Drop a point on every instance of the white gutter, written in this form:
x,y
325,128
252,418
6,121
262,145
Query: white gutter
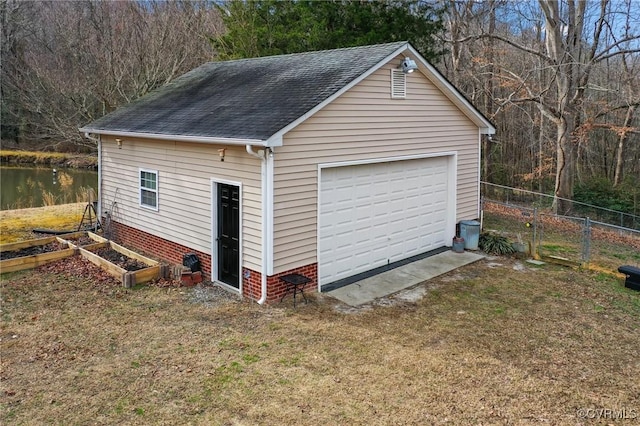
x,y
266,158
251,152
177,138
98,141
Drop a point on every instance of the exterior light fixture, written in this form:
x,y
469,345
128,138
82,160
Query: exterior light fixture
x,y
221,153
408,65
119,143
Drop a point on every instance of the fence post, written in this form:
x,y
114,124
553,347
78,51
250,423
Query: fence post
x,y
534,248
586,241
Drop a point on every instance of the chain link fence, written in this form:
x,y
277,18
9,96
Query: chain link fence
x,y
522,197
589,241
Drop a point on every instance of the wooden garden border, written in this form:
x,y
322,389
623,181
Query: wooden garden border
x,y
35,260
127,278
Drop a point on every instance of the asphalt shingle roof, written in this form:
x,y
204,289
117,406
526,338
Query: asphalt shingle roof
x,y
244,99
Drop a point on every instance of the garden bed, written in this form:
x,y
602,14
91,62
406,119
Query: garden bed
x,y
125,265
32,253
33,250
120,259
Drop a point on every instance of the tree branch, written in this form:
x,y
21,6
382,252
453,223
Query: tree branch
x,y
506,41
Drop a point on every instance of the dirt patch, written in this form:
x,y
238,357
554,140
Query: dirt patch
x,y
412,294
30,251
83,240
211,295
120,259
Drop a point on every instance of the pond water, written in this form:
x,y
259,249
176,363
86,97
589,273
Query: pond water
x,y
23,187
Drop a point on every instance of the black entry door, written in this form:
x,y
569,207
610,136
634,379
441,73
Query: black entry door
x,y
228,234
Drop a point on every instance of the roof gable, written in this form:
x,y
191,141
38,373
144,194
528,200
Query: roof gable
x,y
258,100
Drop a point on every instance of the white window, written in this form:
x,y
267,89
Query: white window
x,y
398,84
149,189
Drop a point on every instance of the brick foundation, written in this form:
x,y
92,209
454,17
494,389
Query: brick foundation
x,y
173,253
275,287
158,247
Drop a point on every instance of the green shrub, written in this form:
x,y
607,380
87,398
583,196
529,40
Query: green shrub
x,y
600,192
493,243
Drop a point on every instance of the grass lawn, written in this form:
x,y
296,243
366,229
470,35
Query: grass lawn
x,y
16,225
485,344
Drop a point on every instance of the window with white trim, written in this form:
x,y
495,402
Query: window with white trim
x,y
398,84
149,189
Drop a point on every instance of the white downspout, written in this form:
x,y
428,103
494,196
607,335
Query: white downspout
x,y
258,154
98,141
262,155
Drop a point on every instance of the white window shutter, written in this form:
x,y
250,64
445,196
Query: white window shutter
x,y
398,84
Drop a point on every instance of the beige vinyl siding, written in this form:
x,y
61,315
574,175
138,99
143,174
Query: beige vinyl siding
x,y
184,190
365,123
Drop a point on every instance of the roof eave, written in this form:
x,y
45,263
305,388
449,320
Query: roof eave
x,y
179,138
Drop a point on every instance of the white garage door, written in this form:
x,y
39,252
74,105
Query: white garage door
x,y
375,214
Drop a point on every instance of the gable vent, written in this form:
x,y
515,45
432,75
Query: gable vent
x,y
398,84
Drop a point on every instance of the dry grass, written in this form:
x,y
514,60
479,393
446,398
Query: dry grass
x,y
36,157
487,344
16,225
48,158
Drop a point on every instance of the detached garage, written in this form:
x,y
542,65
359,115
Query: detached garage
x,y
328,164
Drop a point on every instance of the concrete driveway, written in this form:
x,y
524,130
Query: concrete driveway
x,y
402,277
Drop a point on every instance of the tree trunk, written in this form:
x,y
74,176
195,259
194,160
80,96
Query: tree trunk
x,y
564,46
617,177
565,163
489,90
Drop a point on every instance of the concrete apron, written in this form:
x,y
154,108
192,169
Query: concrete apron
x,y
402,277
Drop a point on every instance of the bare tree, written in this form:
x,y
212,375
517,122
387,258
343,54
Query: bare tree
x,y
554,72
85,58
14,29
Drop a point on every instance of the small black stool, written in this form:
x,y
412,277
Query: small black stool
x,y
295,282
